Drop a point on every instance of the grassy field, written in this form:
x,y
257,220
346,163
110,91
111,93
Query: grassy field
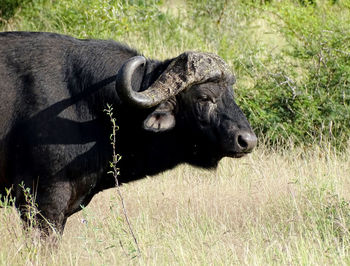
x,y
284,204
286,207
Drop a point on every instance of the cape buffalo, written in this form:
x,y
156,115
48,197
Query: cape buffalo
x,y
55,135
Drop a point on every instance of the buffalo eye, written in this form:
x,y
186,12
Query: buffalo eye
x,y
205,99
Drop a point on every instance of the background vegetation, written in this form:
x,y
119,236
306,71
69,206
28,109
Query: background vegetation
x,y
291,57
288,203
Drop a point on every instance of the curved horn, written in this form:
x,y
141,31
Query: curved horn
x,y
187,69
124,81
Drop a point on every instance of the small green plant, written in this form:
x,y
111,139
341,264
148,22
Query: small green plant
x,y
34,221
6,200
30,210
115,172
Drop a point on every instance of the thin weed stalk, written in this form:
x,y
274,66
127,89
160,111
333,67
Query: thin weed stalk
x,y
115,172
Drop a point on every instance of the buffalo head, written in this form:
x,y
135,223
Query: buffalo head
x,y
193,97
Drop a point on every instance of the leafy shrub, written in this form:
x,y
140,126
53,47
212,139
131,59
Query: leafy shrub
x,y
8,8
305,90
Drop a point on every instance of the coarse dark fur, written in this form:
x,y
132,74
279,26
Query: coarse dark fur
x,y
54,134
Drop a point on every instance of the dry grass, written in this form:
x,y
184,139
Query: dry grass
x,y
268,208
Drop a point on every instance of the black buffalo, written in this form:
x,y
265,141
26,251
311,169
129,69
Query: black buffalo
x,y
55,135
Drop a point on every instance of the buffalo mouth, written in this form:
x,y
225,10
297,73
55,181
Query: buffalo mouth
x,y
204,159
236,154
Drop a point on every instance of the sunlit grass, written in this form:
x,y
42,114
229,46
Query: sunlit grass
x,y
269,207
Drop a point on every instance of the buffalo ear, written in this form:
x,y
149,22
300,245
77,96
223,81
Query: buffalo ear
x,y
161,119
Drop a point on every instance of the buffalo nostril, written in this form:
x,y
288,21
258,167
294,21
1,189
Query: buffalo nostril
x,y
246,141
242,142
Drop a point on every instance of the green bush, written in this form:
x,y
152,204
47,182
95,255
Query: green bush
x,y
303,93
8,8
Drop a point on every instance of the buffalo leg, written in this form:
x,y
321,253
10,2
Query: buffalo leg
x,y
46,210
